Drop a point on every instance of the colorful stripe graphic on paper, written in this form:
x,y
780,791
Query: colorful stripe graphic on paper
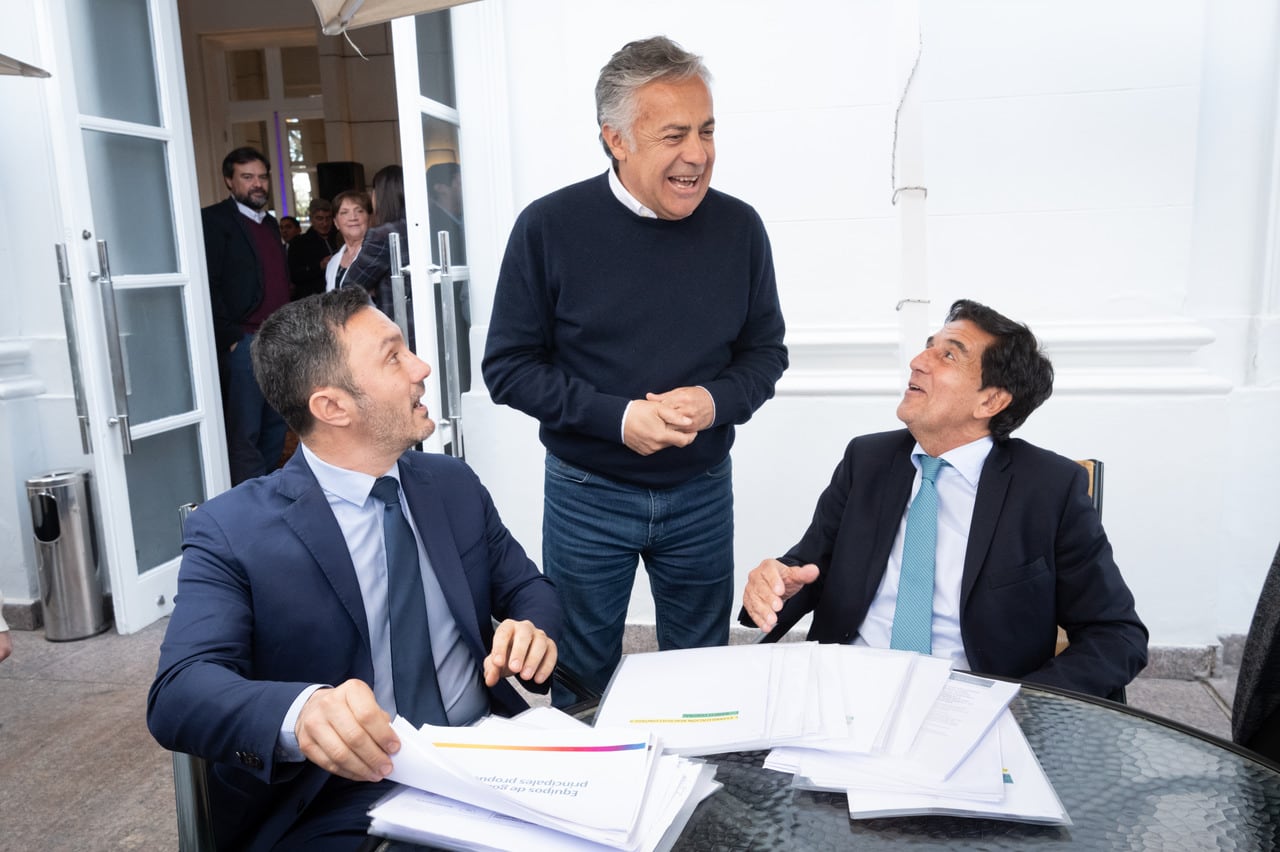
x,y
690,718
497,747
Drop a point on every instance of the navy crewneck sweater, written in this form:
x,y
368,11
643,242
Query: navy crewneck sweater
x,y
597,306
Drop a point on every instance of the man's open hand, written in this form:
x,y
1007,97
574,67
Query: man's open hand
x,y
771,584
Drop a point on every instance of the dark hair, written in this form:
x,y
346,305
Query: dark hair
x,y
298,349
636,65
359,196
388,189
239,157
1014,361
293,219
319,205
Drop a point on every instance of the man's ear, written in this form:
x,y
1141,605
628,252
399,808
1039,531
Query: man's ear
x,y
331,406
992,402
617,144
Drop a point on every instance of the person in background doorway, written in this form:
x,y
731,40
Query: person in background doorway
x,y
248,280
310,252
289,228
352,210
372,268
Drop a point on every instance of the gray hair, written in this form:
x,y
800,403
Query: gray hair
x,y
638,64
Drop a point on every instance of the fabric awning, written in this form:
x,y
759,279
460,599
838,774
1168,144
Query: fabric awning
x,y
11,66
336,16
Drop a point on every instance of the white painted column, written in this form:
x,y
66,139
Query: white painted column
x,y
909,189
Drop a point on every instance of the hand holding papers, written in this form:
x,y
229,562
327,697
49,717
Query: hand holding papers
x,y
564,787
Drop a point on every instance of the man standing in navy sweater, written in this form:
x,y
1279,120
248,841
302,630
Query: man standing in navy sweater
x,y
637,319
248,280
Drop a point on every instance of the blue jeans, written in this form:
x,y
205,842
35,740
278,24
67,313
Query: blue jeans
x,y
255,432
593,530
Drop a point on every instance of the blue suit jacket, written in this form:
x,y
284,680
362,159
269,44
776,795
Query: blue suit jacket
x,y
1037,558
268,603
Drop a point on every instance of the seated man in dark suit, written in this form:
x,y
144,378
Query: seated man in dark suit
x,y
953,539
356,583
1255,713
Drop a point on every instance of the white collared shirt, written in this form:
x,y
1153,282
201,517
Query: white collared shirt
x,y
628,200
957,485
255,215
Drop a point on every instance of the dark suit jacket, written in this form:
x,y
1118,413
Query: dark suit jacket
x,y
307,255
1255,718
268,602
1037,558
235,275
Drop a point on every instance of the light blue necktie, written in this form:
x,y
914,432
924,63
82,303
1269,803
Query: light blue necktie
x,y
413,669
913,615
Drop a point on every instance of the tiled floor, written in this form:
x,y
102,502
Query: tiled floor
x,y
79,771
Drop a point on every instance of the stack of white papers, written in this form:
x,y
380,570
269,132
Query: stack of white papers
x,y
547,782
900,733
713,700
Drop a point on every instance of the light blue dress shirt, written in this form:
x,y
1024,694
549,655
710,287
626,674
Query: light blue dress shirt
x,y
957,484
359,516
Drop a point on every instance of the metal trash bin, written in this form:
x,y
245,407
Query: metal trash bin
x,y
66,555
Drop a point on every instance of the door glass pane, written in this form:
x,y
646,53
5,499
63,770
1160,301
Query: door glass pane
x,y
130,195
163,474
114,67
435,57
306,145
153,341
246,75
301,69
444,188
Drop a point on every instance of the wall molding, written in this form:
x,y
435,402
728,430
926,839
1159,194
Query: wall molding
x,y
16,379
1108,357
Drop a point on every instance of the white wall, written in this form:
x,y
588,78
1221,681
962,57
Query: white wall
x,y
1102,171
1106,172
38,430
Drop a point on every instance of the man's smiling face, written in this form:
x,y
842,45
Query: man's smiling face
x,y
945,405
666,165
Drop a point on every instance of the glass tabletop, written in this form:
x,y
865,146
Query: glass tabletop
x,y
1128,780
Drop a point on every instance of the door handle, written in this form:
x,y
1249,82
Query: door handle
x,y
449,328
73,346
399,303
115,352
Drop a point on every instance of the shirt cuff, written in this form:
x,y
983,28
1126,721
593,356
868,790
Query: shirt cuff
x,y
287,749
713,404
622,432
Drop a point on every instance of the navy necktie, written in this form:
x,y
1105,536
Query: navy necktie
x,y
913,613
413,669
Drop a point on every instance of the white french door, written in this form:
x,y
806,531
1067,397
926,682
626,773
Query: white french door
x,y
429,139
134,287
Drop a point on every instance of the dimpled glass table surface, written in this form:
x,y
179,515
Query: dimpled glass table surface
x,y
1128,780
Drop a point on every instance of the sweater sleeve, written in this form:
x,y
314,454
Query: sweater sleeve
x,y
759,354
518,366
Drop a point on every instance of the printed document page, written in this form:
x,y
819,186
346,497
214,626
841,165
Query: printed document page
x,y
696,701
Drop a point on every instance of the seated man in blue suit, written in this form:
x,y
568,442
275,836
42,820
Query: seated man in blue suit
x,y
293,642
1009,548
